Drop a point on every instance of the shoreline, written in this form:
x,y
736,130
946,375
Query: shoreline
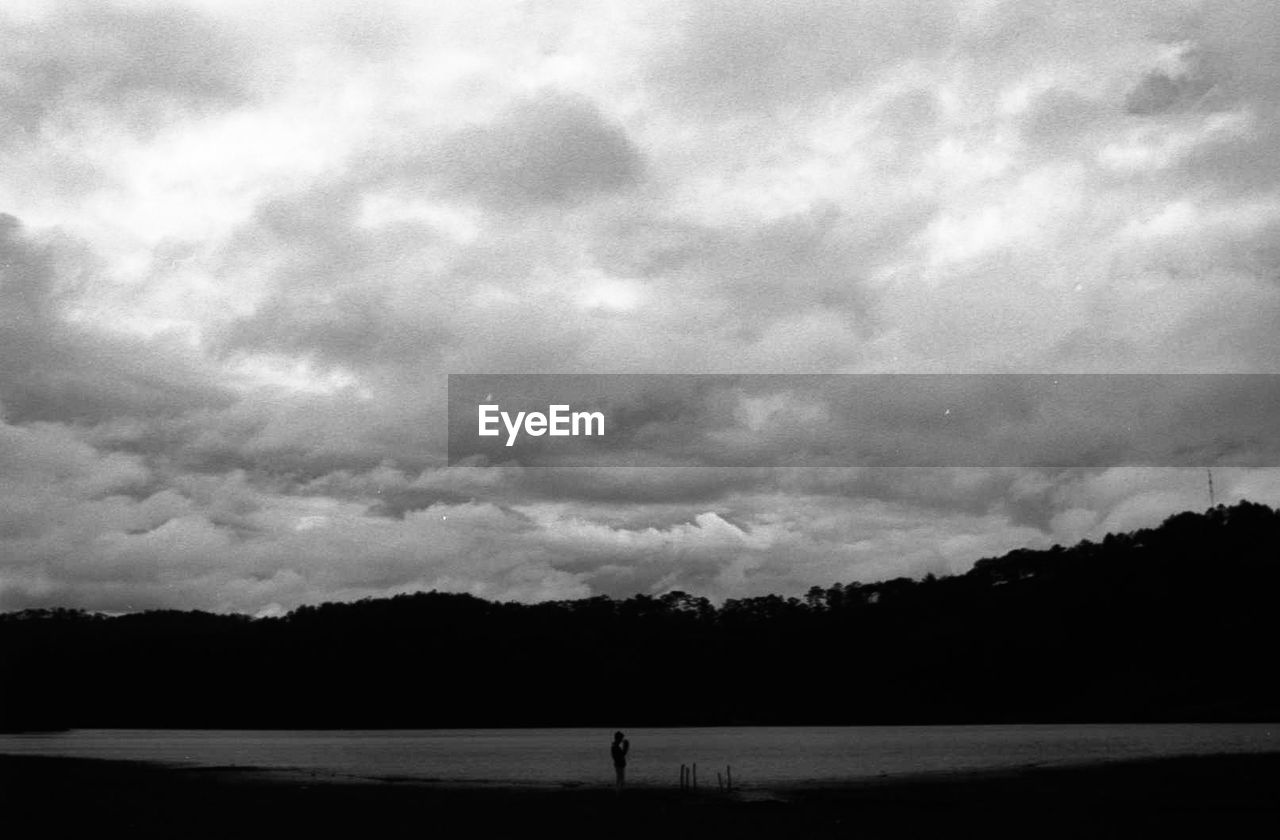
x,y
1224,792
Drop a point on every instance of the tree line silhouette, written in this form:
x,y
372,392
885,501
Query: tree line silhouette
x,y
1170,623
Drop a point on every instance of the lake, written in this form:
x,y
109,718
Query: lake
x,y
760,756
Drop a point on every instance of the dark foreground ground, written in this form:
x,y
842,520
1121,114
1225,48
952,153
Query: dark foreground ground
x,y
1226,796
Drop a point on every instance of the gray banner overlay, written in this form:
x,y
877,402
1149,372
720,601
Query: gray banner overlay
x,y
874,420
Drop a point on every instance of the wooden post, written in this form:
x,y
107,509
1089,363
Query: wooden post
x,y
681,777
695,775
729,771
719,782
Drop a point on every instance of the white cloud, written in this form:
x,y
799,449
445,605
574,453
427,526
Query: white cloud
x,y
247,241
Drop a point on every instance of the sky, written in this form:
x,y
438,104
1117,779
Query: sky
x,y
242,245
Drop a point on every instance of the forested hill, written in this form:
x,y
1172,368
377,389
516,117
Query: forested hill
x,y
1177,622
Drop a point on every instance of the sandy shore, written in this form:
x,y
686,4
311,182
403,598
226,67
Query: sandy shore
x,y
1224,795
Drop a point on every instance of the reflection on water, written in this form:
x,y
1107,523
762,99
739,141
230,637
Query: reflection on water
x,y
759,755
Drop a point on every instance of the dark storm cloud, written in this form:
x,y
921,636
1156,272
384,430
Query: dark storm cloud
x,y
332,283
645,486
397,326
91,57
356,325
750,281
1228,65
396,503
545,150
343,292
1159,92
52,368
1031,35
730,57
283,440
1060,121
1026,497
811,260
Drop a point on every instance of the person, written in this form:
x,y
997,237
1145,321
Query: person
x,y
619,752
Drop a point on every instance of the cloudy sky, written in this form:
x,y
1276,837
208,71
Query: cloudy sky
x,y
244,243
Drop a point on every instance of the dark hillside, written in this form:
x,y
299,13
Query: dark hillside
x,y
1170,623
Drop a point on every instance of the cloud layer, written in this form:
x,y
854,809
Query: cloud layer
x,y
243,244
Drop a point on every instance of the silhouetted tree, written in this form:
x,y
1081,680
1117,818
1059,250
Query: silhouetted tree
x,y
1169,623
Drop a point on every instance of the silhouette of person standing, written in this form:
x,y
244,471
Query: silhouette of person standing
x,y
619,752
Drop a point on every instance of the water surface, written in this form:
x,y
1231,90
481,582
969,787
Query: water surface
x,y
760,756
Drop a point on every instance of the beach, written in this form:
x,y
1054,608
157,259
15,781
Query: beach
x,y
1222,794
